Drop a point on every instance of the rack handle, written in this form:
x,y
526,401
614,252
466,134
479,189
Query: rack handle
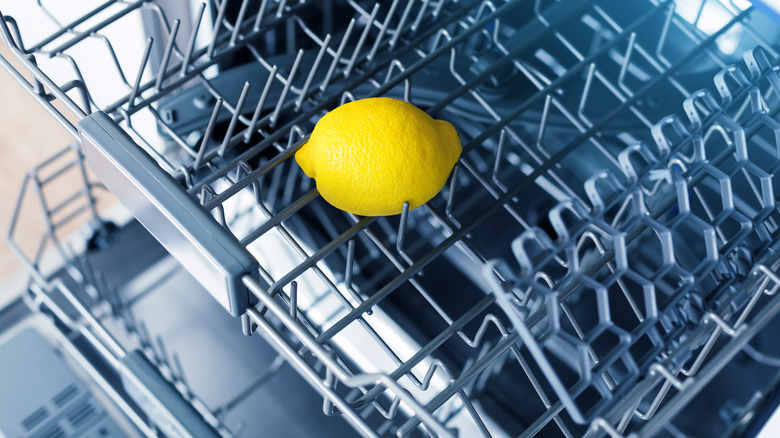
x,y
209,252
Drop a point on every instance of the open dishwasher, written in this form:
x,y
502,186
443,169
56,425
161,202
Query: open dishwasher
x,y
602,262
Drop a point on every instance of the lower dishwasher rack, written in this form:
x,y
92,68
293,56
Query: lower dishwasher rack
x,y
602,261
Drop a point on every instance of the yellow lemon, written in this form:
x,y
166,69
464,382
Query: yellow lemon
x,y
370,156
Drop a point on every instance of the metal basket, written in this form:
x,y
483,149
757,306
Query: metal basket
x,y
700,212
660,237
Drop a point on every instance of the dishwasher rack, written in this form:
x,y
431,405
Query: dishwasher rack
x,y
646,242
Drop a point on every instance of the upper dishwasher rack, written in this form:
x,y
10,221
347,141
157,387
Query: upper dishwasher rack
x,y
545,95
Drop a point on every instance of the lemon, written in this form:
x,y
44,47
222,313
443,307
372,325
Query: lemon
x,y
370,156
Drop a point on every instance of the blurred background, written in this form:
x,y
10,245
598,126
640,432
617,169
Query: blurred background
x,y
27,135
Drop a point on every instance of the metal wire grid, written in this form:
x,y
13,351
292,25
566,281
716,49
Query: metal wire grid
x,y
58,213
389,59
572,297
178,66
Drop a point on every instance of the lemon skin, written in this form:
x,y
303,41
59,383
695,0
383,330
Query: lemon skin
x,y
370,156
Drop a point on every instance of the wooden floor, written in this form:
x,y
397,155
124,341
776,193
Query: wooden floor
x,y
28,135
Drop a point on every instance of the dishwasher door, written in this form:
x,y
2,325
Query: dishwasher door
x,y
602,261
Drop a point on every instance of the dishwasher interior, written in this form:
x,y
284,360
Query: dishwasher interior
x,y
602,261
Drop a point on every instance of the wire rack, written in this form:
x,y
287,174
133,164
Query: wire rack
x,y
653,269
679,290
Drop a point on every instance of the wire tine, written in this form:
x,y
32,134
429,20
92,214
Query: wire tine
x,y
484,7
206,194
187,175
242,170
350,264
362,40
237,25
313,70
259,17
38,84
327,405
625,63
178,371
217,25
339,52
664,33
117,305
295,130
280,9
383,29
193,38
207,134
234,119
163,351
17,36
222,217
276,182
131,323
294,299
395,64
401,236
167,54
451,198
539,15
246,325
442,33
499,156
401,23
543,122
287,86
438,8
259,108
289,185
143,334
144,60
585,93
258,194
346,96
103,287
420,14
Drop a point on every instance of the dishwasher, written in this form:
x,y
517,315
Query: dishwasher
x,y
602,261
